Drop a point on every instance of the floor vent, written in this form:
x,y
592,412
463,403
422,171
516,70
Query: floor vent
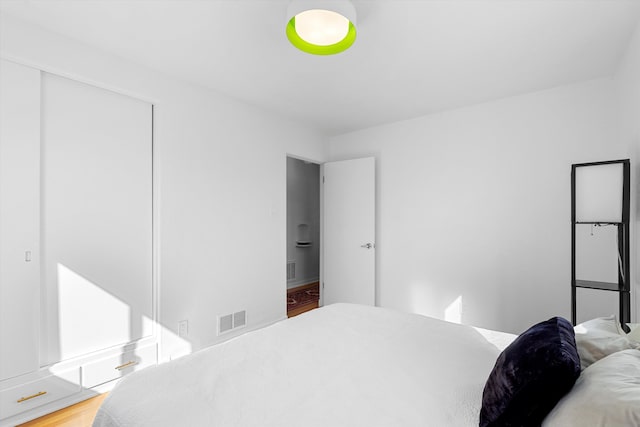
x,y
229,322
291,270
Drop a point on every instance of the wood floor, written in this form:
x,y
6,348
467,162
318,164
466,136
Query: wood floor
x,y
304,308
300,310
78,415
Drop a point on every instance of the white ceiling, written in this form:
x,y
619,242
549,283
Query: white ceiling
x,y
410,58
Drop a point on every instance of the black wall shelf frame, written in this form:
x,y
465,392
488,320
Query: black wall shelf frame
x,y
622,287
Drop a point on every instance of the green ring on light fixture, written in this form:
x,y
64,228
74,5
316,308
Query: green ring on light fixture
x,y
315,49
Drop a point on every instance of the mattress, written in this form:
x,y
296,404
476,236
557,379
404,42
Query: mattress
x,y
340,365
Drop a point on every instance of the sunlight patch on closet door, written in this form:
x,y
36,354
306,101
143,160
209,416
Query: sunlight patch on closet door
x,y
89,317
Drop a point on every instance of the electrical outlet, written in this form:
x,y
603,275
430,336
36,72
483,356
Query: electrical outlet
x,y
183,328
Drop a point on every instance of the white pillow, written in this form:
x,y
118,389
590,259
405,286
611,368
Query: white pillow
x,y
598,338
607,393
634,334
606,324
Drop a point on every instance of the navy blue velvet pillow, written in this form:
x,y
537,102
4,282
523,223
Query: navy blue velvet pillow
x,y
531,376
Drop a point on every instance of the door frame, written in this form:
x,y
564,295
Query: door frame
x,y
320,163
321,266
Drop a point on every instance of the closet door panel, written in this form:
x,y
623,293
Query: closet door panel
x,y
97,218
19,218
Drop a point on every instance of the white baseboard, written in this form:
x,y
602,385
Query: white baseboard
x,y
301,282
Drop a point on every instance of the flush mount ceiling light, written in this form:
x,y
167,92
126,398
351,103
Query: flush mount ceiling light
x,y
321,27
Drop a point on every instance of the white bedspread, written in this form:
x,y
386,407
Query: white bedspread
x,y
341,365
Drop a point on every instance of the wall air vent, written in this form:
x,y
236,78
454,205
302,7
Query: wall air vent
x,y
291,270
229,322
239,319
225,323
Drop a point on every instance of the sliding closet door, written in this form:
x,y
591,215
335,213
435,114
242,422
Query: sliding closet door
x,y
96,218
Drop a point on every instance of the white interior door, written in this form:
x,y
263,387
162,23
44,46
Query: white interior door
x,y
349,231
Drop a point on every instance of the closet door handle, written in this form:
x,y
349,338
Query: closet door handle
x,y
126,365
367,245
33,396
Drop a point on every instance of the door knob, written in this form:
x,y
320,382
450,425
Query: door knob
x,y
367,246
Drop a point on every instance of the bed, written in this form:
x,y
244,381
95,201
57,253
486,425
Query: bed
x,y
341,365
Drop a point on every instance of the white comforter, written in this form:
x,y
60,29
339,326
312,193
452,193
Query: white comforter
x,y
341,365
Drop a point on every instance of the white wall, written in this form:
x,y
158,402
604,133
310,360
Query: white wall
x,y
627,86
221,186
473,205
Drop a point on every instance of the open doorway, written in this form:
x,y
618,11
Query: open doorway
x,y
303,236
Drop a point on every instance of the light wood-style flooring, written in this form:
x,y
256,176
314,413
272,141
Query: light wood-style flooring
x,y
78,415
